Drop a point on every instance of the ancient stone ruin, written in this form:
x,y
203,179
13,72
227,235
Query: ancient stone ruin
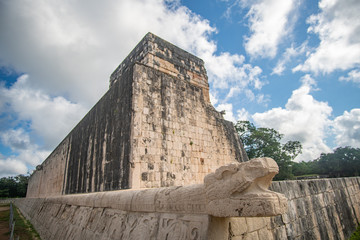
x,y
153,159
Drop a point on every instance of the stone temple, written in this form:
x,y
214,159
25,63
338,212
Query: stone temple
x,y
155,127
153,159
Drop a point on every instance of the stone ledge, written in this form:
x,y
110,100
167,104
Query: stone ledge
x,y
234,190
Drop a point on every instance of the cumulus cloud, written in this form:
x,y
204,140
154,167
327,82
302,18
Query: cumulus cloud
x,y
15,139
347,128
48,118
226,70
228,108
269,23
12,167
287,56
353,76
243,115
304,119
337,26
51,117
28,155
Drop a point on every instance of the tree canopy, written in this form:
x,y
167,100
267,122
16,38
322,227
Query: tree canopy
x,y
266,142
11,187
343,162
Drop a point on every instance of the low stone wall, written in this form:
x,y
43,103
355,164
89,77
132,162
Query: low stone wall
x,y
318,209
62,221
7,200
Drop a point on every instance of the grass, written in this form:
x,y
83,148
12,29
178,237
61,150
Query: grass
x,y
4,222
310,176
356,234
23,228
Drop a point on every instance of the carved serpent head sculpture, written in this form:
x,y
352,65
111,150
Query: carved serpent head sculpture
x,y
241,189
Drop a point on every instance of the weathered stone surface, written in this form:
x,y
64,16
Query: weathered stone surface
x,y
64,221
49,179
166,57
155,127
241,189
318,209
327,213
199,198
177,137
161,213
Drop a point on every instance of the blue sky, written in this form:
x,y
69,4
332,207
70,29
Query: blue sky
x,y
292,65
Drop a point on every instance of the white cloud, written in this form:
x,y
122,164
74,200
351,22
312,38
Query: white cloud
x,y
213,98
232,92
51,118
347,128
263,99
28,154
337,26
304,119
249,95
288,55
307,80
227,70
353,76
16,139
12,167
228,108
269,22
243,115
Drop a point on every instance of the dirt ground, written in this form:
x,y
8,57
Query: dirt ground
x,y
4,225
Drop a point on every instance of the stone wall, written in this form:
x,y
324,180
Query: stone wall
x,y
154,127
177,136
318,209
166,57
48,180
95,154
54,220
100,147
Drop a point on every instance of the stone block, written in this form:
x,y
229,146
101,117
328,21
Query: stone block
x,y
238,226
251,236
280,233
265,234
254,223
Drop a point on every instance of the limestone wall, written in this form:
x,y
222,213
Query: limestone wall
x,y
166,57
318,209
48,180
154,127
62,221
95,154
177,136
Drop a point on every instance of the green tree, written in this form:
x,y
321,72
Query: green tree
x,y
305,168
14,186
266,142
343,162
22,184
